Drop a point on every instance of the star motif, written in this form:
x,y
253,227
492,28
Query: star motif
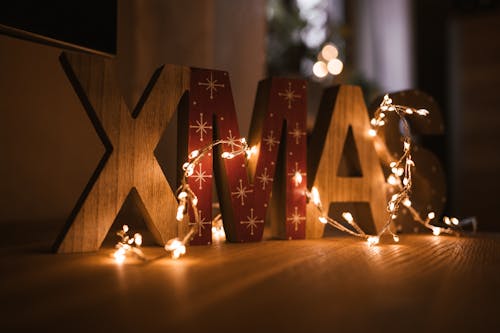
x,y
201,223
264,179
271,141
241,192
201,126
211,85
200,175
297,133
289,95
296,218
252,221
231,141
296,171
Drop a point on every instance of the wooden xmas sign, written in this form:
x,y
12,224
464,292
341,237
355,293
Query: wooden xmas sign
x,y
244,187
129,163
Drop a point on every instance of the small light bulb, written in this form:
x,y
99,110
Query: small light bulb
x,y
372,240
396,238
297,178
407,202
315,196
323,219
138,239
392,180
372,132
447,220
436,231
194,154
409,111
431,215
125,228
348,217
455,221
227,155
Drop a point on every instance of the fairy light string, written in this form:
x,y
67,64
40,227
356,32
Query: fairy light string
x,y
128,246
187,199
400,178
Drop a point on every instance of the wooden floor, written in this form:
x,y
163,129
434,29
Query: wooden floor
x,y
423,284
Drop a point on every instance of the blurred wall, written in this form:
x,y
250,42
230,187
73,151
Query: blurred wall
x,y
48,146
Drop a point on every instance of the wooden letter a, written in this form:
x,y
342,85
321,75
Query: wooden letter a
x,y
343,108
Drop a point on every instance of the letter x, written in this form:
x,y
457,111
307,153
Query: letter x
x,y
129,163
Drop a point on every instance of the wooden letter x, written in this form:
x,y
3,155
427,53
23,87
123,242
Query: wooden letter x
x,y
129,163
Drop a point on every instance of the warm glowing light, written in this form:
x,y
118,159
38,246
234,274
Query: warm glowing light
x,y
392,180
315,196
335,66
373,240
348,217
455,221
320,69
329,52
323,219
372,132
447,220
297,178
431,215
128,245
407,202
227,155
250,152
436,231
194,154
395,238
176,247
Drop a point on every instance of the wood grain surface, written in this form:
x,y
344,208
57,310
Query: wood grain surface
x,y
423,284
129,164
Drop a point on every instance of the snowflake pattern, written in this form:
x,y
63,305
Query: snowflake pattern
x,y
211,85
252,222
289,95
201,223
200,175
270,141
297,133
296,218
201,126
264,179
241,192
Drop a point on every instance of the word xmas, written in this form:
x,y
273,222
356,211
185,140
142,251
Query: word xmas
x,y
269,186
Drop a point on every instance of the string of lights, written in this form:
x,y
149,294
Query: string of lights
x,y
400,178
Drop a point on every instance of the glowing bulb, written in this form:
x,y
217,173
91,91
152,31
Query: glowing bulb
x,y
373,122
381,123
407,202
180,213
447,220
182,195
125,228
391,206
392,165
194,201
297,178
323,219
436,231
348,217
392,180
335,66
372,132
329,52
176,247
396,238
422,112
409,111
251,152
405,181
400,171
406,145
138,239
119,256
431,215
315,196
194,154
454,220
227,155
372,240
320,69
